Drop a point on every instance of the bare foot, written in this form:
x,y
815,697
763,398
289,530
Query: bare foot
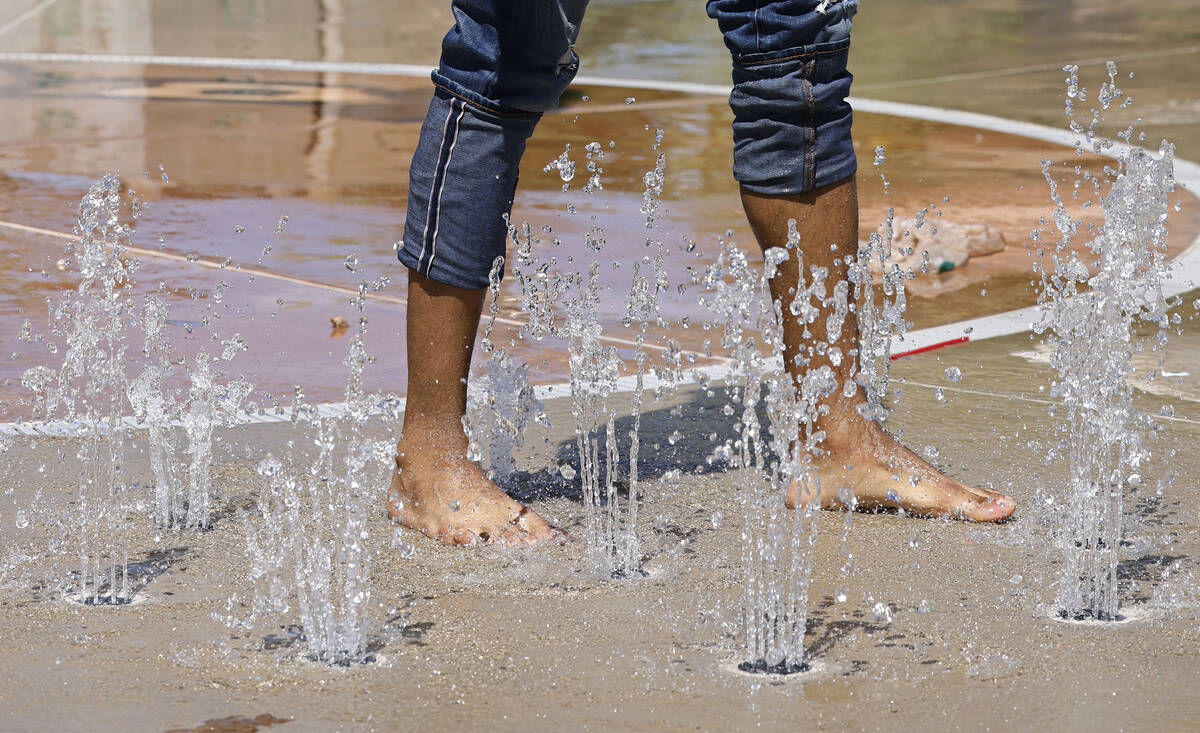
x,y
882,473
440,493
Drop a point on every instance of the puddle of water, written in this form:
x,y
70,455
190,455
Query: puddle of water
x,y
349,202
234,724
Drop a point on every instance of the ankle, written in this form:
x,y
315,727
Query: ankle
x,y
429,430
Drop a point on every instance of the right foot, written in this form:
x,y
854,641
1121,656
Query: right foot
x,y
438,492
882,473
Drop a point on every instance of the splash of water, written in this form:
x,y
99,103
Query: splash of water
x,y
778,458
310,539
595,368
500,402
879,322
155,406
1093,301
777,541
209,404
500,407
90,389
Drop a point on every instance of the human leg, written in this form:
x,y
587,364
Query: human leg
x,y
794,161
857,453
502,65
435,489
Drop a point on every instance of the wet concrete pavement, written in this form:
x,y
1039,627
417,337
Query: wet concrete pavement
x,y
531,639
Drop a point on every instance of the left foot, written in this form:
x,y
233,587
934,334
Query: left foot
x,y
437,491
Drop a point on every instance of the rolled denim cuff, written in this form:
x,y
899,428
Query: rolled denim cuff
x,y
791,127
461,186
488,106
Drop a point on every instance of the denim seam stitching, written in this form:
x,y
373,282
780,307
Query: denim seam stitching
x,y
486,108
757,34
807,54
812,137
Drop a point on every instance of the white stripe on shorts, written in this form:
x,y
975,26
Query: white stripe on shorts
x,y
445,173
432,181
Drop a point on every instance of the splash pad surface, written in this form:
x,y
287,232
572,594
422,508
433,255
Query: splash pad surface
x,y
516,637
938,616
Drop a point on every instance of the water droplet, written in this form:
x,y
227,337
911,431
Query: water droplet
x,y
953,374
840,595
564,165
846,497
404,549
352,263
882,613
566,471
1016,579
22,520
269,467
233,346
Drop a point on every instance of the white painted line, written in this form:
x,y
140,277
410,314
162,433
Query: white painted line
x,y
391,404
70,429
27,15
210,62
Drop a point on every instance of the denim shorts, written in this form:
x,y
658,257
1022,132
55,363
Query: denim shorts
x,y
505,63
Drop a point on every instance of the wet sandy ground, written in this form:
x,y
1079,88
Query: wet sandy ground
x,y
531,639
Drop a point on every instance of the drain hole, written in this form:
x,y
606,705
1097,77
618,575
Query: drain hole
x,y
1084,616
761,667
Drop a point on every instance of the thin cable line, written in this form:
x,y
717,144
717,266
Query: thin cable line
x,y
214,264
